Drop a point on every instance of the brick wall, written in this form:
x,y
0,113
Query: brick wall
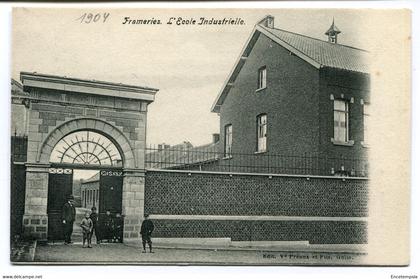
x,y
315,232
179,193
289,100
354,88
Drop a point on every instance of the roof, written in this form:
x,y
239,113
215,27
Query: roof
x,y
324,53
93,178
182,155
318,53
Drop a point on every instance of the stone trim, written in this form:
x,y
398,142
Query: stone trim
x,y
258,218
134,172
79,105
31,167
269,175
348,143
88,86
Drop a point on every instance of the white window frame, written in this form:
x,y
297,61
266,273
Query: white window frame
x,y
340,115
262,78
366,117
227,152
262,132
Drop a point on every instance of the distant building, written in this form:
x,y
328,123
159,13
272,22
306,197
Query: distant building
x,y
183,156
293,95
89,190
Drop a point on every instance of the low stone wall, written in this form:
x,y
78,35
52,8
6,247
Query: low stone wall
x,y
35,226
316,209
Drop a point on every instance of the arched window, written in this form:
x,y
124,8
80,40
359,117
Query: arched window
x,y
86,148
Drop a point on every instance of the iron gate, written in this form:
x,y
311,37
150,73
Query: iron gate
x,y
60,184
110,191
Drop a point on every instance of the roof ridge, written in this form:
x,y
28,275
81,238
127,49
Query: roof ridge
x,y
268,29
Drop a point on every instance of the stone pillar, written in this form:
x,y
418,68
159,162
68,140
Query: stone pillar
x,y
133,202
35,218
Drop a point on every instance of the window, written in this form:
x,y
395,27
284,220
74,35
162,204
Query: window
x,y
228,141
341,121
262,77
262,133
366,115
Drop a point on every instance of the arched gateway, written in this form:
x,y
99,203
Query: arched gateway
x,y
74,123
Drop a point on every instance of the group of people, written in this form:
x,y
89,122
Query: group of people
x,y
108,227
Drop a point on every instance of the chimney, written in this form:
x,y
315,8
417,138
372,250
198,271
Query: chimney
x,y
216,138
267,21
163,146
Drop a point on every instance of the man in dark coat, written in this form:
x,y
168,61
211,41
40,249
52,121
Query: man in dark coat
x,y
146,230
68,215
108,226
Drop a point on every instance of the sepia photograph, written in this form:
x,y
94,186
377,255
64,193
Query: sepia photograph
x,y
208,136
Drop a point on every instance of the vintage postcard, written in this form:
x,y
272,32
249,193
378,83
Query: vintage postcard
x,y
210,136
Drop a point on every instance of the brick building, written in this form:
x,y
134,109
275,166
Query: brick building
x,y
293,95
89,190
292,123
290,107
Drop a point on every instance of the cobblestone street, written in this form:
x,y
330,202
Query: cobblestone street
x,y
121,253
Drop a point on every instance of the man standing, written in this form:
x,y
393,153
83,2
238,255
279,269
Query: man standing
x,y
68,216
146,230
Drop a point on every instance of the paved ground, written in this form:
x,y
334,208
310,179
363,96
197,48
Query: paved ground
x,y
124,254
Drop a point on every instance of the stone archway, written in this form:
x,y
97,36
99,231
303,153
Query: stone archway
x,y
89,124
59,106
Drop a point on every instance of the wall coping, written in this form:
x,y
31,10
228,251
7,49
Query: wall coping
x,y
269,175
259,218
84,86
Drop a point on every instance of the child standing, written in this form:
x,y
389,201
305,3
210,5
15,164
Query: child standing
x,y
146,230
94,218
108,226
87,226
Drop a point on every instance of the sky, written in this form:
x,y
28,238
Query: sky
x,y
187,63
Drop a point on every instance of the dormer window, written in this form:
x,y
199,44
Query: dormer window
x,y
262,78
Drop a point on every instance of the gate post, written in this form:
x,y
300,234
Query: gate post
x,y
133,201
35,218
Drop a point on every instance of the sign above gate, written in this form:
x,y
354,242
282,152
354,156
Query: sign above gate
x,y
60,171
111,173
